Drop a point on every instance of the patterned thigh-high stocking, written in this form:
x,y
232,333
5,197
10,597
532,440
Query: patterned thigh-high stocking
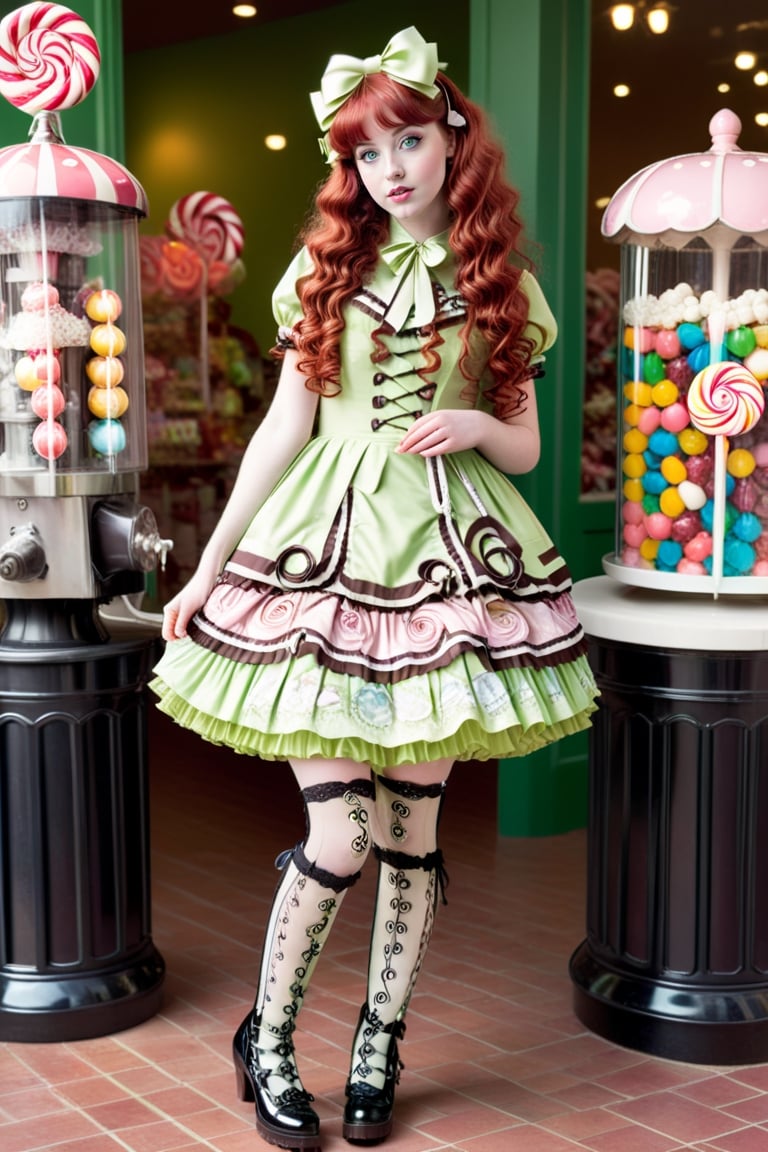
x,y
411,878
314,881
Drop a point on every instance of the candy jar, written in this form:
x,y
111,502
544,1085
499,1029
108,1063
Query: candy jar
x,y
76,955
692,477
72,405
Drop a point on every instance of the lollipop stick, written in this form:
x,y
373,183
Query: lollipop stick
x,y
718,515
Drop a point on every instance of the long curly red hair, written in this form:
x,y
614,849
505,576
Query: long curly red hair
x,y
347,228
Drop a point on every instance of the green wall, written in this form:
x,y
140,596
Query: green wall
x,y
197,114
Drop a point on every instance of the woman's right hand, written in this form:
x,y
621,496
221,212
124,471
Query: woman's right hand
x,y
179,611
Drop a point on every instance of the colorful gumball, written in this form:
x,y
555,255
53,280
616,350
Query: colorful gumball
x,y
47,367
108,340
649,420
668,344
103,306
47,401
675,417
107,437
658,526
105,371
653,368
25,375
107,402
49,439
740,341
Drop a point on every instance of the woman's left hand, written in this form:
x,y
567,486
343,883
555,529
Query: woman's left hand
x,y
445,430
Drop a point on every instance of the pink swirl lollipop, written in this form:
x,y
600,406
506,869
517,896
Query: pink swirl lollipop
x,y
49,58
725,399
209,224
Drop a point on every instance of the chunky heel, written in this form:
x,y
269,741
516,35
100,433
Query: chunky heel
x,y
285,1119
368,1110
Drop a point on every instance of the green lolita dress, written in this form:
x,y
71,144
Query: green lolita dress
x,y
381,606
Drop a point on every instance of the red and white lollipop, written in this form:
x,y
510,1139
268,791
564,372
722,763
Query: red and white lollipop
x,y
209,224
724,400
49,58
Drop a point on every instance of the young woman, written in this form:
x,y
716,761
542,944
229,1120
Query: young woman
x,y
377,601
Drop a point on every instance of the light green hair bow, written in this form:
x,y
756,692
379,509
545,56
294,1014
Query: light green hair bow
x,y
408,59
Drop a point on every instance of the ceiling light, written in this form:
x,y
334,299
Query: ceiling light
x,y
760,78
762,119
724,87
745,61
275,142
621,90
658,19
622,16
244,10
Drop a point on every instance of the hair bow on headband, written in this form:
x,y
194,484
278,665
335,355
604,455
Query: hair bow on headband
x,y
407,58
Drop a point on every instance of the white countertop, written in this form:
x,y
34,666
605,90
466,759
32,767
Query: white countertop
x,y
654,618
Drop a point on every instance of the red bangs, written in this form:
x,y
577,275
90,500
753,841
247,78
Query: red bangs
x,y
390,104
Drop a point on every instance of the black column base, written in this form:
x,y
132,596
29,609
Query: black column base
x,y
705,1025
79,1006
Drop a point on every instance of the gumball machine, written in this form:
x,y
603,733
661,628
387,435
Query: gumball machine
x,y
692,514
676,954
76,955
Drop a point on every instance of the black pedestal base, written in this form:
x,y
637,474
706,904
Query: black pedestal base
x,y
79,1006
76,953
702,1026
675,961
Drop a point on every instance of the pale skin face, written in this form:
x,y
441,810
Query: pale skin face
x,y
403,171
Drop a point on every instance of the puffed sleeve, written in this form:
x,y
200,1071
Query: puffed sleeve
x,y
285,300
542,326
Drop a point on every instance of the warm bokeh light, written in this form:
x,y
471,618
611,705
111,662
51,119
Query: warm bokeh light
x,y
602,202
621,90
745,61
762,119
244,10
275,142
760,78
622,16
658,19
724,87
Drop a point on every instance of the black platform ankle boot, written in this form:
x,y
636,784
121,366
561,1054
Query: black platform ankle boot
x,y
368,1110
286,1118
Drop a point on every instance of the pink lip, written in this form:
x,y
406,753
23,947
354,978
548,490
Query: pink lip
x,y
398,193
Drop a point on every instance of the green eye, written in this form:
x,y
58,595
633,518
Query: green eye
x,y
367,156
410,141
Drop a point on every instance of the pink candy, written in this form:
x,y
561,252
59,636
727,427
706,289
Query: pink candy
x,y
632,512
634,534
699,547
38,296
658,526
675,417
49,58
650,418
668,344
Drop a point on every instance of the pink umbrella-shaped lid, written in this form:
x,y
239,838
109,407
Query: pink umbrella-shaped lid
x,y
672,200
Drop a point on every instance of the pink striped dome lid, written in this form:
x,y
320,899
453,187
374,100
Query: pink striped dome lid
x,y
47,167
676,198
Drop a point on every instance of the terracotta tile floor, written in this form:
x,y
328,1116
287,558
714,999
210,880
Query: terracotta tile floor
x,y
495,1059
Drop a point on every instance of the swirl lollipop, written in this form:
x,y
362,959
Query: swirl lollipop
x,y
209,224
49,58
724,399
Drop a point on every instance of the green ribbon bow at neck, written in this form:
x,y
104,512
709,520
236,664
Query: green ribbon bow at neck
x,y
408,59
410,262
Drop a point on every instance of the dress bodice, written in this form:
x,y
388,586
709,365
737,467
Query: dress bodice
x,y
381,399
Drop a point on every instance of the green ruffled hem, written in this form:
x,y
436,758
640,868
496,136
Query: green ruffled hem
x,y
470,741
